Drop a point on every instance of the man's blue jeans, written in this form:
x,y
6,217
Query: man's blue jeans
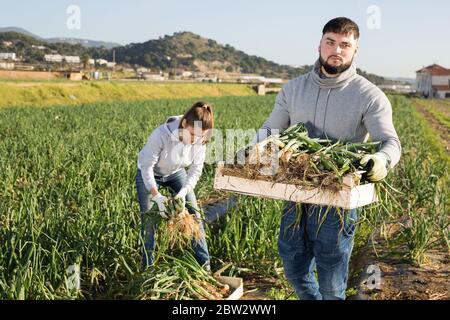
x,y
317,241
174,183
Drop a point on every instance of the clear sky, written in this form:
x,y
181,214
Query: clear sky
x,y
397,37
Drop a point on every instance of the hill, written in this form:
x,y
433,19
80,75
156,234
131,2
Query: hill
x,y
191,51
84,42
20,30
180,51
26,46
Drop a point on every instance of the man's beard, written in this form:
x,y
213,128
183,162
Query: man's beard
x,y
334,69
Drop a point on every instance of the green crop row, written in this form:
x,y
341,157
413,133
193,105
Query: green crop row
x,y
67,195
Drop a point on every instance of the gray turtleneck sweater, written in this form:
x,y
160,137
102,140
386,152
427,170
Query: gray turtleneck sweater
x,y
347,108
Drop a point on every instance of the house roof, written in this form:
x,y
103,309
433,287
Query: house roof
x,y
442,88
435,70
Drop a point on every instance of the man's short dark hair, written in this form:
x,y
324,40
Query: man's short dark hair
x,y
343,26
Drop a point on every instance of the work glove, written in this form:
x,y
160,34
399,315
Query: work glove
x,y
160,200
376,166
182,194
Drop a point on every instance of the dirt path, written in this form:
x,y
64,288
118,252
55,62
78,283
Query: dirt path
x,y
399,280
384,273
258,287
441,130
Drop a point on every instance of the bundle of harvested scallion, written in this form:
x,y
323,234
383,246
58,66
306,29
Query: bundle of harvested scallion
x,y
175,278
182,226
302,160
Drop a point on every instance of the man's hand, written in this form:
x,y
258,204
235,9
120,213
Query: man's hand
x,y
182,195
160,200
376,165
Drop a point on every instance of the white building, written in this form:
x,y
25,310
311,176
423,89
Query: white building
x,y
433,81
7,56
72,59
59,58
7,65
101,62
53,58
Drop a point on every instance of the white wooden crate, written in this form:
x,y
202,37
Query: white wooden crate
x,y
351,196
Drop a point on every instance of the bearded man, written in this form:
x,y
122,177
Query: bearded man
x,y
336,103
